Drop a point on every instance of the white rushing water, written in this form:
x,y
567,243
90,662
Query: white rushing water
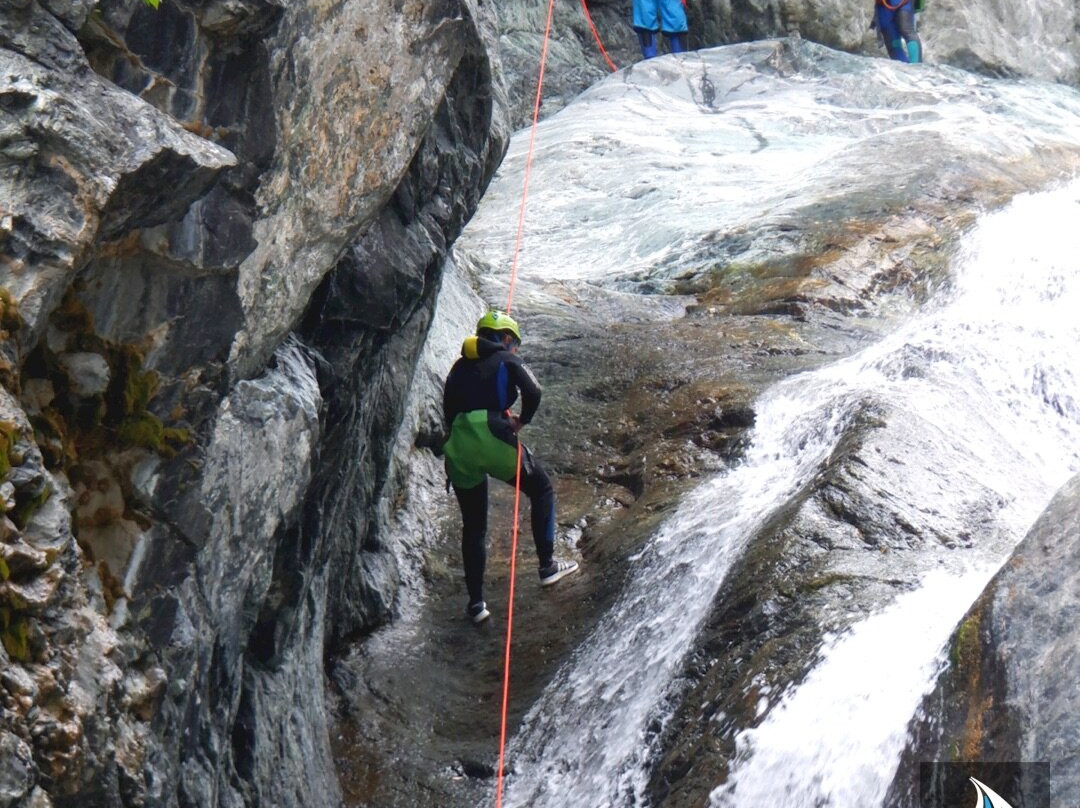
x,y
831,742
991,377
1009,342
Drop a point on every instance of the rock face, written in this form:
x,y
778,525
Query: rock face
x,y
82,161
997,39
1009,691
222,230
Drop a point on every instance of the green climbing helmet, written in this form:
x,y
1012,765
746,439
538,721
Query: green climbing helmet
x,y
495,320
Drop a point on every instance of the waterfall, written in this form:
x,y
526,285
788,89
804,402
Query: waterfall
x,y
989,372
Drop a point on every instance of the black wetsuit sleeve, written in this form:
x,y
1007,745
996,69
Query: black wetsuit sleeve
x,y
527,385
451,397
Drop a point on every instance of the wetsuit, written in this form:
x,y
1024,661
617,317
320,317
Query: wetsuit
x,y
653,16
896,21
481,387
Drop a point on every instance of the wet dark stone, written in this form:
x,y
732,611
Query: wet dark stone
x,y
164,39
477,770
133,298
733,417
366,274
16,100
153,194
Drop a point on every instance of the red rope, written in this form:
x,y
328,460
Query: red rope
x,y
596,36
517,476
509,630
528,159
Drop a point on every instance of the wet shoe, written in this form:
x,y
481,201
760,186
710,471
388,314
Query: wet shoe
x,y
477,612
556,571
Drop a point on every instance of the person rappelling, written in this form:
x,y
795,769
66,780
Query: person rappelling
x,y
480,389
895,22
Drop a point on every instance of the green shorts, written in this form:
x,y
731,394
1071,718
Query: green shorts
x,y
481,443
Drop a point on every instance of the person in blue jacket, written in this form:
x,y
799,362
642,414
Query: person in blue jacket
x,y
479,391
654,16
895,19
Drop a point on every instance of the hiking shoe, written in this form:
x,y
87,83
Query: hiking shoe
x,y
477,612
555,571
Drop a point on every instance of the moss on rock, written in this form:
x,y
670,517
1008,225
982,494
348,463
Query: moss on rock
x,y
8,435
965,651
10,319
15,634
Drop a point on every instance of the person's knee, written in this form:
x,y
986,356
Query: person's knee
x,y
539,481
473,504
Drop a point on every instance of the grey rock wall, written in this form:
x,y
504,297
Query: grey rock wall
x,y
205,371
222,227
80,160
1009,693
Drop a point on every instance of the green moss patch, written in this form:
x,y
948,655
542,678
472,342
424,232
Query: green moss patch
x,y
15,634
73,427
966,649
8,434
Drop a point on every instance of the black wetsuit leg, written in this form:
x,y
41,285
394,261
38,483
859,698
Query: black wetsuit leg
x,y
536,485
474,507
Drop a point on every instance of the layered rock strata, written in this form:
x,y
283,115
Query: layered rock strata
x,y
223,226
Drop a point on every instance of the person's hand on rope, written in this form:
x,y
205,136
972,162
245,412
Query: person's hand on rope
x,y
515,423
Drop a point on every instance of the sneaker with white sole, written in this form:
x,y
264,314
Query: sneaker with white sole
x,y
556,571
477,612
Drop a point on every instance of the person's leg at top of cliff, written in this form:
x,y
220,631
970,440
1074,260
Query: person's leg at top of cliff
x,y
652,17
